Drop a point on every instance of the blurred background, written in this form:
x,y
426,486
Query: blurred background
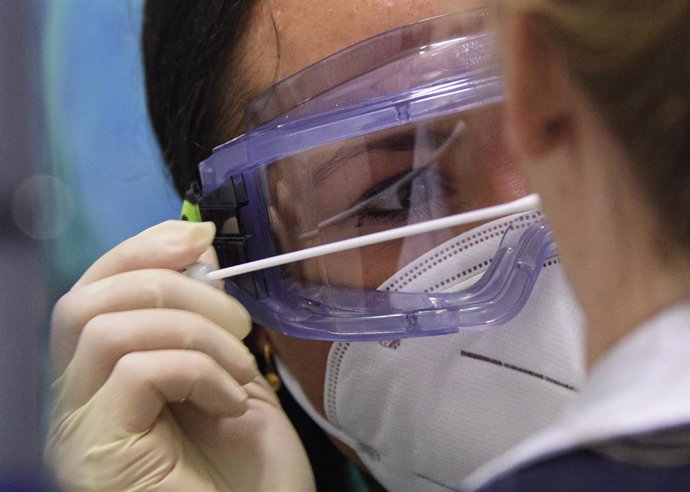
x,y
79,172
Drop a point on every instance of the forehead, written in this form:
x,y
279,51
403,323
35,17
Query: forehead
x,y
289,35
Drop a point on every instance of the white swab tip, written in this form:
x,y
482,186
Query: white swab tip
x,y
199,271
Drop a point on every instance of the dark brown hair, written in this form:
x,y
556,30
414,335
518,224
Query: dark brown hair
x,y
194,91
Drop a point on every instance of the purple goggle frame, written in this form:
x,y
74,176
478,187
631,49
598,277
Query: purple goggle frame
x,y
429,69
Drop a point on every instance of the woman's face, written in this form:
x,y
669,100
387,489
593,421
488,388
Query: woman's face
x,y
286,36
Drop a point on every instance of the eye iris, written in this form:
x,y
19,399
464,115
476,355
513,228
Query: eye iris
x,y
401,197
404,194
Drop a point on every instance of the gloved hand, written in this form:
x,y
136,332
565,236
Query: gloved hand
x,y
153,388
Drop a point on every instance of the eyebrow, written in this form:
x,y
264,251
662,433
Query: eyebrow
x,y
393,143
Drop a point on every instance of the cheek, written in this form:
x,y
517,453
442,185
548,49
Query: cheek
x,y
306,360
371,266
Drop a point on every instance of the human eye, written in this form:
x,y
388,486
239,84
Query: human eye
x,y
402,199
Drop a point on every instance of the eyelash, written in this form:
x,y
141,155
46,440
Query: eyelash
x,y
390,190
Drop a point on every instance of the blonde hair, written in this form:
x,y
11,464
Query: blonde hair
x,y
632,57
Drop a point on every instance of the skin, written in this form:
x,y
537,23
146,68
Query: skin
x,y
607,230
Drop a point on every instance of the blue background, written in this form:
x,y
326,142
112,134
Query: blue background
x,y
98,135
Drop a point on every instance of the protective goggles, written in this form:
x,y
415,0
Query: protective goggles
x,y
377,141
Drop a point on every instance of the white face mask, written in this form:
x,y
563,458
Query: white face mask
x,y
422,414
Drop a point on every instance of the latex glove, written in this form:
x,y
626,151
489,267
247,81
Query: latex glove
x,y
153,388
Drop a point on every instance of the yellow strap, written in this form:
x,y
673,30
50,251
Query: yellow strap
x,y
190,211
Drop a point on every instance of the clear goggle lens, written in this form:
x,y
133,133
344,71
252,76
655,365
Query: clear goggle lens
x,y
401,130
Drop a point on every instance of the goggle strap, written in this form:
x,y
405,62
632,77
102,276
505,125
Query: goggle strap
x,y
190,205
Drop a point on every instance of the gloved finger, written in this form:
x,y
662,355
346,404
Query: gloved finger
x,y
210,258
142,383
174,244
108,337
139,289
